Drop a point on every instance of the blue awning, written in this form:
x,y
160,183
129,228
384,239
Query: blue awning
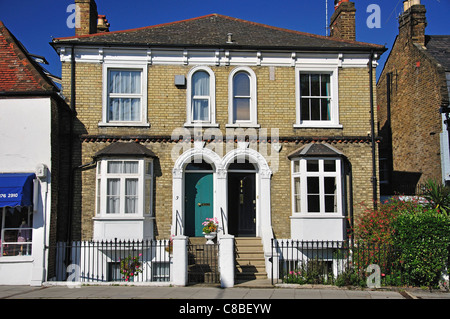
x,y
16,189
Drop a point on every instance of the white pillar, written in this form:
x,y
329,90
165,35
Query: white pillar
x,y
180,261
226,261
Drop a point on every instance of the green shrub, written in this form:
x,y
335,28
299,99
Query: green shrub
x,y
437,196
423,238
375,225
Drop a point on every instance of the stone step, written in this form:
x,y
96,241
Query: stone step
x,y
250,262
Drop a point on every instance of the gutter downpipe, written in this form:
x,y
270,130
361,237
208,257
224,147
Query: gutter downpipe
x,y
372,124
71,145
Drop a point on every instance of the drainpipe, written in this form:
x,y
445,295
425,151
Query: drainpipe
x,y
372,133
71,144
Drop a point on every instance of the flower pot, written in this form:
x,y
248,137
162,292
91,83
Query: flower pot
x,y
209,237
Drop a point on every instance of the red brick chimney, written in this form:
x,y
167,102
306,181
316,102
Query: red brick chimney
x,y
86,17
413,21
342,24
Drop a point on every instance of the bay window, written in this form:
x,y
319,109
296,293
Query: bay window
x,y
317,186
124,187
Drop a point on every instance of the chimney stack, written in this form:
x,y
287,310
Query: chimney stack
x,y
412,22
342,25
86,17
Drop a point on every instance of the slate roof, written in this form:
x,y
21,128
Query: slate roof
x,y
316,150
211,31
19,73
124,149
438,46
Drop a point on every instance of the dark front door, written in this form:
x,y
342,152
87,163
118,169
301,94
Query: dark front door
x,y
242,204
198,202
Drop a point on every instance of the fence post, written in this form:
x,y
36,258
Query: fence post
x,y
180,261
226,261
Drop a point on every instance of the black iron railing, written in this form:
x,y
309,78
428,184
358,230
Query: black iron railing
x,y
336,262
116,260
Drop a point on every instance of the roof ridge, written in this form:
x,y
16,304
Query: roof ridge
x,y
298,32
224,17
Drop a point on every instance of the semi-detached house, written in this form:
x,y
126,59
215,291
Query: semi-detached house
x,y
266,129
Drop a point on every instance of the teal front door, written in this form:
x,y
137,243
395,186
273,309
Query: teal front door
x,y
198,202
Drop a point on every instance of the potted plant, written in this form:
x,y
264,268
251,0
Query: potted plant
x,y
210,226
130,267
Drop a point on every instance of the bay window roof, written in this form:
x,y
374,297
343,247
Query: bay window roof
x,y
125,149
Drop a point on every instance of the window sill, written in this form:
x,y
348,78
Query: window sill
x,y
243,125
316,216
200,125
16,259
119,218
318,125
123,124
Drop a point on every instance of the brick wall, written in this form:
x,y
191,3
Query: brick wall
x,y
416,95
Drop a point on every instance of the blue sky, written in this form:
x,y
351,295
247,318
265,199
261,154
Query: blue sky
x,y
35,22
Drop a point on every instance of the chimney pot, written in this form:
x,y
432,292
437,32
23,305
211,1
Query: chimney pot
x,y
342,24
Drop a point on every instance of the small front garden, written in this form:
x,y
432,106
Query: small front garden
x,y
404,242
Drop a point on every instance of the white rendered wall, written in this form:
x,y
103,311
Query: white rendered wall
x,y
25,127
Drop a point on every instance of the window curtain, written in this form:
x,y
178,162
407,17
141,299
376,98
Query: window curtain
x,y
113,196
125,82
124,108
131,196
200,96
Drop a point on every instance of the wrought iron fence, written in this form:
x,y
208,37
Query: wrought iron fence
x,y
116,260
335,262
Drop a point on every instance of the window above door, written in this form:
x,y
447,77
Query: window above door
x,y
201,97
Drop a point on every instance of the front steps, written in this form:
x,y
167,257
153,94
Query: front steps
x,y
250,262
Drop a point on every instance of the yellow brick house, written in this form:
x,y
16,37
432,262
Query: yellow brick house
x,y
267,130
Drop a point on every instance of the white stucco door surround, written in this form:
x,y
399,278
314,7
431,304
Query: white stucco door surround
x,y
220,171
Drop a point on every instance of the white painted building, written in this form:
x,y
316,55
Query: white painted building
x,y
29,110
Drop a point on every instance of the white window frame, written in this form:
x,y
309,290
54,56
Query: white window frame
x,y
303,174
145,204
253,122
212,99
334,97
107,67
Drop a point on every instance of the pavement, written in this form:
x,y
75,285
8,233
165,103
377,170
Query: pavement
x,y
249,290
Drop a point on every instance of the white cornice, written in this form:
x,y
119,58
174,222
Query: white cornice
x,y
217,57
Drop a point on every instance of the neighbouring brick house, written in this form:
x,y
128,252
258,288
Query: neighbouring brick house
x,y
412,88
34,130
266,129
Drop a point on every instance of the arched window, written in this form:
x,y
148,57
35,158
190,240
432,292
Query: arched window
x,y
242,97
201,96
